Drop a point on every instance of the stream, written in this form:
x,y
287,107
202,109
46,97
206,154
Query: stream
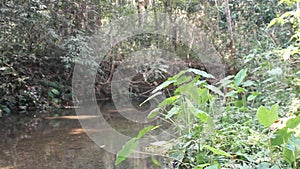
x,y
57,141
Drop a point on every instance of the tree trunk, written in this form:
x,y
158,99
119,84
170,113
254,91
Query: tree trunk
x,y
230,31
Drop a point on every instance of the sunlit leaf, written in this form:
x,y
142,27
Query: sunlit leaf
x,y
217,151
201,73
273,22
164,85
267,117
127,150
144,131
293,123
203,116
182,79
240,76
55,91
168,101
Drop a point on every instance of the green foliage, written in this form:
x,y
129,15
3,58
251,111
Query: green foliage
x,y
131,145
267,117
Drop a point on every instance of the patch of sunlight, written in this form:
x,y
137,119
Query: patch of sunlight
x,y
71,117
77,131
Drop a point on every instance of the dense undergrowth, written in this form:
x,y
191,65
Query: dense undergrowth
x,y
250,119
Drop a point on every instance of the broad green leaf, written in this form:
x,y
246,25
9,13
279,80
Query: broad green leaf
x,y
127,150
240,76
215,90
281,136
204,95
144,131
182,79
288,155
163,85
168,101
175,77
201,73
267,117
274,109
201,115
172,112
193,92
217,151
293,123
55,91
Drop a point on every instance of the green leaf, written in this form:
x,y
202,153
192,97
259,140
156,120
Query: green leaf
x,y
144,131
168,101
293,123
217,151
201,115
182,79
281,136
267,117
201,73
273,22
172,112
240,76
55,91
163,85
127,150
288,155
215,90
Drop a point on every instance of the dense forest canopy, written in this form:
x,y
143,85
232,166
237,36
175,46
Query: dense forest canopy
x,y
257,41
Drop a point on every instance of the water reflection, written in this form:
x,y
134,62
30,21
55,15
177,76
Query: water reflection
x,y
57,142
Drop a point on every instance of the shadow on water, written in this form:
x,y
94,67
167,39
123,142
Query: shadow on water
x,y
58,142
